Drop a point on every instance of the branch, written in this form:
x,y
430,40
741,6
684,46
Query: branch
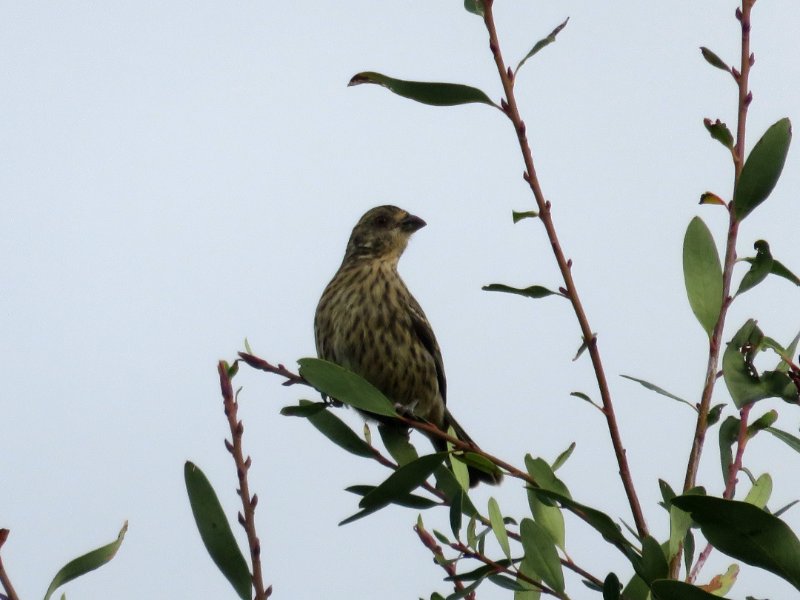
x,y
4,579
450,568
509,106
247,517
715,342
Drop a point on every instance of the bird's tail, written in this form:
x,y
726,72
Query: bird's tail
x,y
476,475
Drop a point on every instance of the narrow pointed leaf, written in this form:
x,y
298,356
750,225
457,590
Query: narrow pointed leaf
x,y
563,457
410,500
506,583
402,482
551,37
669,589
760,267
426,92
787,438
541,554
766,420
720,132
549,517
331,426
347,387
714,60
456,514
659,390
499,527
702,274
533,291
86,563
747,533
215,531
762,168
728,433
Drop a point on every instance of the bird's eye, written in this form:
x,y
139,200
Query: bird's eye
x,y
382,221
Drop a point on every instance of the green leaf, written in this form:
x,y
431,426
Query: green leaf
x,y
728,433
600,521
744,382
345,386
787,438
215,531
402,481
762,169
766,420
720,132
541,554
702,274
688,551
777,269
669,589
562,458
506,583
528,214
499,527
714,414
658,390
746,533
86,563
611,587
760,267
397,444
551,37
549,517
426,92
456,512
667,493
714,60
636,589
410,501
533,291
544,476
654,563
760,492
331,426
474,6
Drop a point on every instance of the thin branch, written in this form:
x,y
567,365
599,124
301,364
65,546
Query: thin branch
x,y
509,105
730,485
262,365
4,578
450,568
247,517
715,342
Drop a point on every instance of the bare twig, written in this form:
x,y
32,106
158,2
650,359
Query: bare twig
x,y
4,579
262,365
247,517
509,106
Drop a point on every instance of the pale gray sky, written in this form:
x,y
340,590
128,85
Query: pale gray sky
x,y
177,176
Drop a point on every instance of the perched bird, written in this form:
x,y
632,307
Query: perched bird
x,y
368,322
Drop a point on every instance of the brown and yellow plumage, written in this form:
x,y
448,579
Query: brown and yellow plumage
x,y
368,322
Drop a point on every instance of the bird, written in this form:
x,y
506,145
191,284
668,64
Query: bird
x,y
368,322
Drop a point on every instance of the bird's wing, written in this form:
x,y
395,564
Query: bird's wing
x,y
422,328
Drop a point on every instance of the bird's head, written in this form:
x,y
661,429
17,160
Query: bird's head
x,y
382,233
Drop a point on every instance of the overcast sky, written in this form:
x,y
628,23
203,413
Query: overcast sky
x,y
179,176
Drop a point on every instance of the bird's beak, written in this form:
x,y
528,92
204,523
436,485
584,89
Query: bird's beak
x,y
412,223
